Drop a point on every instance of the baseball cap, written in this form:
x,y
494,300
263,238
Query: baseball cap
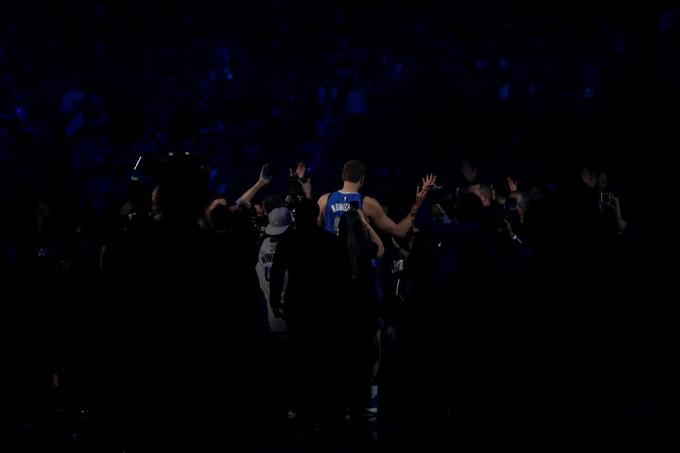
x,y
279,221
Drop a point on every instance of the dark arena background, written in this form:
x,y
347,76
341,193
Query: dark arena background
x,y
290,226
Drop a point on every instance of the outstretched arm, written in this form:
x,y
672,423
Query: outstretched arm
x,y
377,216
374,212
265,178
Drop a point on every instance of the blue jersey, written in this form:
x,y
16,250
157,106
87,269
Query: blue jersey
x,y
337,205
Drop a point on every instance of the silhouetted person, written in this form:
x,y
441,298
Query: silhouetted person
x,y
312,258
358,312
191,347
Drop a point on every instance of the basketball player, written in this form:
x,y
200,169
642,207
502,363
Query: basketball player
x,y
334,205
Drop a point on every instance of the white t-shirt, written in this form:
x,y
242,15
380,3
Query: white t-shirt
x,y
265,259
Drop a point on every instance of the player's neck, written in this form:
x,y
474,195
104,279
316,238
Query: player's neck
x,y
350,186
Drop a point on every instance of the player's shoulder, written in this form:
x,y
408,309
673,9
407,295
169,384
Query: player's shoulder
x,y
370,202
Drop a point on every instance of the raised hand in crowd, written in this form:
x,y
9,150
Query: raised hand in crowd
x,y
264,179
305,183
588,177
300,171
593,180
265,175
429,182
469,172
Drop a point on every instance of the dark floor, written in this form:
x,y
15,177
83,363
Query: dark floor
x,y
508,406
489,389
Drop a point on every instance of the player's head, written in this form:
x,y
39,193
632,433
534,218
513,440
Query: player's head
x,y
354,172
